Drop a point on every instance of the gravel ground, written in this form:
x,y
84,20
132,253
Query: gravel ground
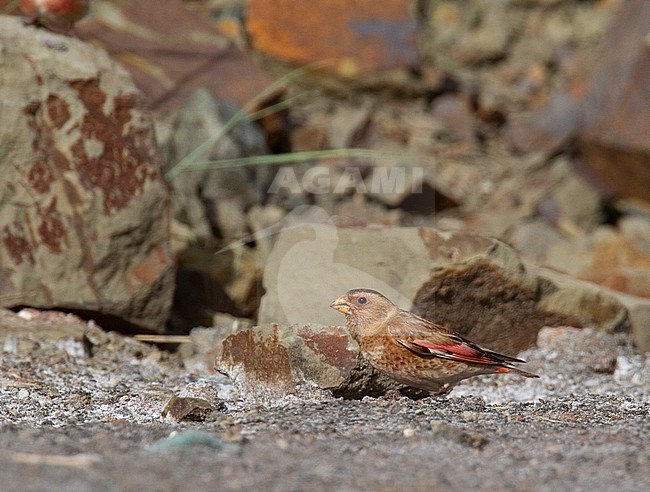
x,y
85,414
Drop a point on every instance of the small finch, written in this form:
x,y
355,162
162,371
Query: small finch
x,y
55,12
413,350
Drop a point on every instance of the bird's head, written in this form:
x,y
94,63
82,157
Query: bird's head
x,y
363,307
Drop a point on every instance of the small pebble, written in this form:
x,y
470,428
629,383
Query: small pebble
x,y
27,314
181,441
282,444
408,432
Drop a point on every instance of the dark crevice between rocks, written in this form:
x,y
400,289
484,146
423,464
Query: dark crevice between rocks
x,y
197,298
611,213
106,321
427,201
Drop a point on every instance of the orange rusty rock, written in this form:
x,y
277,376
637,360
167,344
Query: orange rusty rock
x,y
331,343
260,357
270,361
356,35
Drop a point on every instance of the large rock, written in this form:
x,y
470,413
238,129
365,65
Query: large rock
x,y
84,215
613,139
269,362
638,308
609,257
503,308
476,285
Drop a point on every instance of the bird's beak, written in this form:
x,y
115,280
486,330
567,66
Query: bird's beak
x,y
341,305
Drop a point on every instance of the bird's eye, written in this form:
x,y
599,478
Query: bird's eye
x,y
362,300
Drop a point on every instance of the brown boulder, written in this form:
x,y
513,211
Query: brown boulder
x,y
504,309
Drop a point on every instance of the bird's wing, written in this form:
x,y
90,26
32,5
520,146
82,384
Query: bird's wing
x,y
427,339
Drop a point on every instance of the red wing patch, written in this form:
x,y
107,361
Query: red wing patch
x,y
460,352
464,352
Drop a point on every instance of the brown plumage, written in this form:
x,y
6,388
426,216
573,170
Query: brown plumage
x,y
413,350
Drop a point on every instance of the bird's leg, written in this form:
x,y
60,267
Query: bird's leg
x,y
444,390
32,22
70,32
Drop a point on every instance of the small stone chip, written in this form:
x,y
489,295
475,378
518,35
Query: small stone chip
x,y
187,408
459,435
408,432
176,442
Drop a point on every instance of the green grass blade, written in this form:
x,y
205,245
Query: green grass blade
x,y
291,158
240,116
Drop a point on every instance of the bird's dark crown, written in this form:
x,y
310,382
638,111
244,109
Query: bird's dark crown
x,y
354,292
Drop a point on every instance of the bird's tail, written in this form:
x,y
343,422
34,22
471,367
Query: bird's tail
x,y
515,370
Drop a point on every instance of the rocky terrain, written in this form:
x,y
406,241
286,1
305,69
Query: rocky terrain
x,y
83,410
